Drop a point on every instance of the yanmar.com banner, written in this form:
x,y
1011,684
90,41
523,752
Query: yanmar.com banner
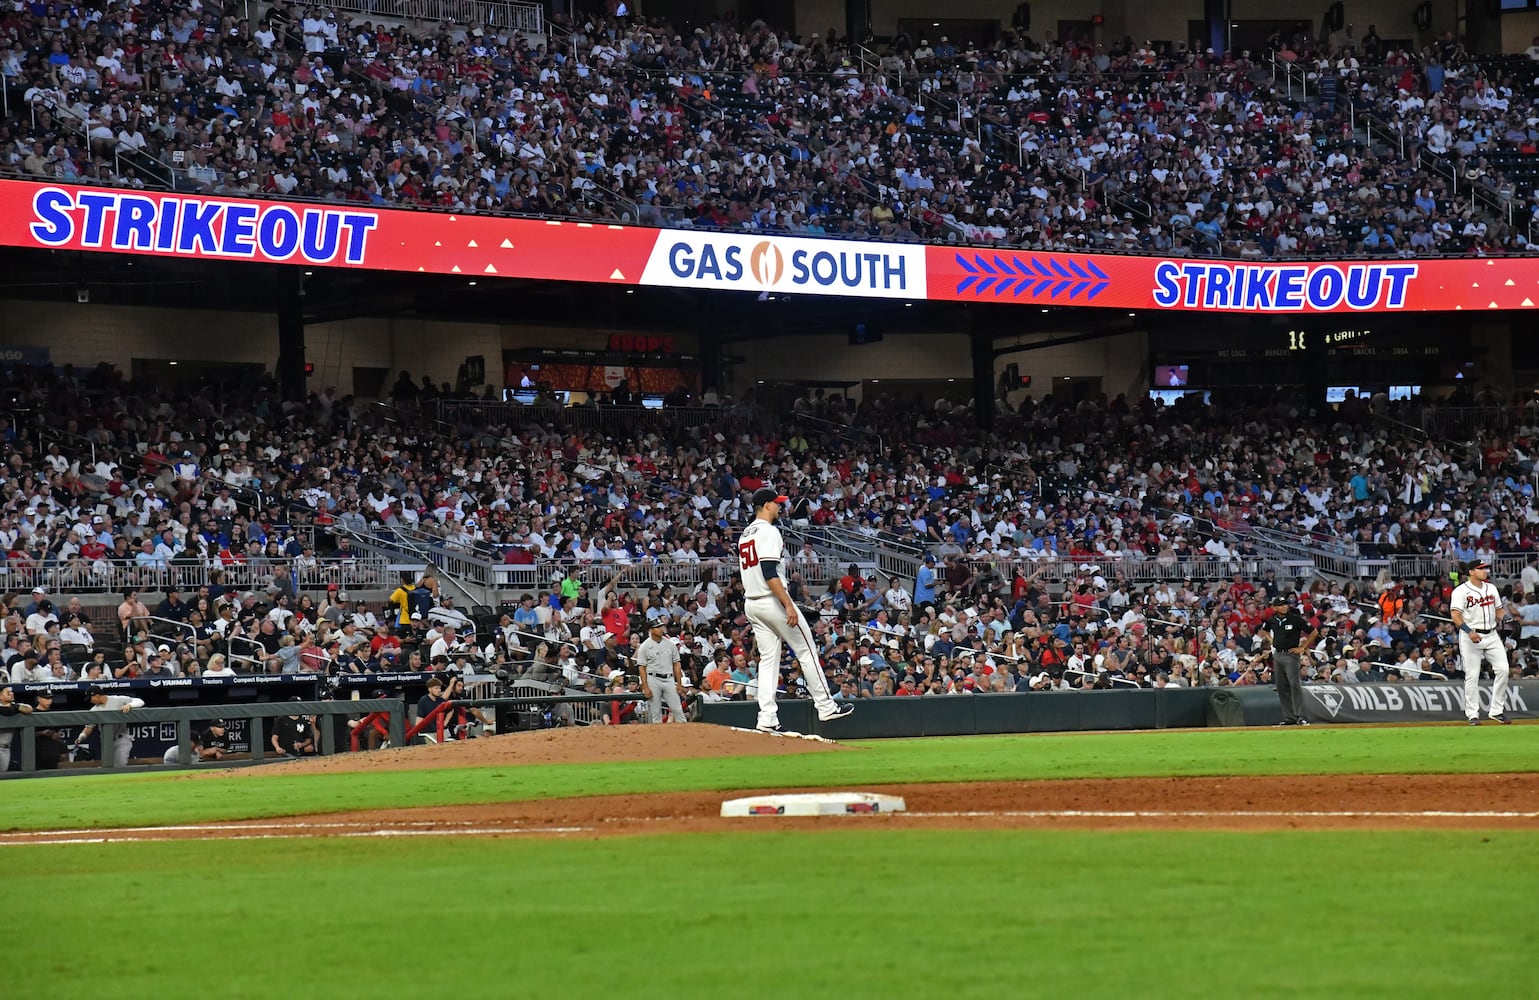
x,y
67,217
1411,702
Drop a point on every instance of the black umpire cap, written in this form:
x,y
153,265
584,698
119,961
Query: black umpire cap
x,y
1282,601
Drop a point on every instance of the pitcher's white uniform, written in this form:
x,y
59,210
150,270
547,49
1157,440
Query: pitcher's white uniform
x,y
1478,602
761,542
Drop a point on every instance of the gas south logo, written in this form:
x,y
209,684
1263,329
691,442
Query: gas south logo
x,y
766,263
829,266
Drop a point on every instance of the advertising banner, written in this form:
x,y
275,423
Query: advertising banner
x,y
1424,702
793,265
1284,287
343,234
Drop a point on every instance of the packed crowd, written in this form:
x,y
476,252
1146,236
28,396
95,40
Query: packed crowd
x,y
1051,146
1098,486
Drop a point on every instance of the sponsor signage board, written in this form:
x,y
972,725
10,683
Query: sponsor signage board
x,y
348,235
1421,702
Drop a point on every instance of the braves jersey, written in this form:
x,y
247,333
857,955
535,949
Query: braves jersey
x,y
760,541
1477,602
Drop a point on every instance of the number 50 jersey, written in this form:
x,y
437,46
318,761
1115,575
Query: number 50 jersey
x,y
760,541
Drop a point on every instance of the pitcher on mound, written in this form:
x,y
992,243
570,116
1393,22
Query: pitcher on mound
x,y
775,619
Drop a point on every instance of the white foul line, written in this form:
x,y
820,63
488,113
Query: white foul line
x,y
252,825
291,831
428,828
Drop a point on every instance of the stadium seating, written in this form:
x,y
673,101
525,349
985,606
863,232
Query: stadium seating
x,y
1042,146
1130,529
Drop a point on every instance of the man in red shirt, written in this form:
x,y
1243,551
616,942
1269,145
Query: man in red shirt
x,y
384,641
617,621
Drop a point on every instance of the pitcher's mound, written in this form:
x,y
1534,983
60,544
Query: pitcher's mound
x,y
578,745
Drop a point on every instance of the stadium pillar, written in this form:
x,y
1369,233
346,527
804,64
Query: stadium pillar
x,y
983,375
291,336
710,349
1215,16
857,19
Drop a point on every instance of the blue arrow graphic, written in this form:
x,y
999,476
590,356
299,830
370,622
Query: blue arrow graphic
x,y
1014,275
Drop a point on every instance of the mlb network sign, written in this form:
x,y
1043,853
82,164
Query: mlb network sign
x,y
1421,702
787,264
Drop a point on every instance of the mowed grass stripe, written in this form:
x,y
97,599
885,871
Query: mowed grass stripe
x,y
844,914
136,800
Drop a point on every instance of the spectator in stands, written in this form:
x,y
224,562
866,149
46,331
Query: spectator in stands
x,y
132,613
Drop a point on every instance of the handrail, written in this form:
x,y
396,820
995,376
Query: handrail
x,y
230,639
182,718
136,158
400,540
840,430
247,496
248,575
180,631
63,437
394,414
510,413
1406,669
528,18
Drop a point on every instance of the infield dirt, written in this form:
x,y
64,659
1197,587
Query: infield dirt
x,y
1402,801
578,745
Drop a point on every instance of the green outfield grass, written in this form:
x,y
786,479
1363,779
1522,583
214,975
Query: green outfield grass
x,y
848,913
104,800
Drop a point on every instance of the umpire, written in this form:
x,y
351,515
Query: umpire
x,y
660,674
1290,635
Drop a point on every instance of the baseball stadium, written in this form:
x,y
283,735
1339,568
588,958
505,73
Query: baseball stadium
x,y
779,498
